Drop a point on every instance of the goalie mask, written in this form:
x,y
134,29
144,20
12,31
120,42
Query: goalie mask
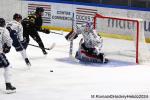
x,y
87,26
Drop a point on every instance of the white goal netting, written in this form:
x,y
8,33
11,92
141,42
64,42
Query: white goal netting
x,y
128,28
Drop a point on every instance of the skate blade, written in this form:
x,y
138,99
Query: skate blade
x,y
9,91
106,61
28,65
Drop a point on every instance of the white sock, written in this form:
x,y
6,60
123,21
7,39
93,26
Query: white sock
x,y
7,74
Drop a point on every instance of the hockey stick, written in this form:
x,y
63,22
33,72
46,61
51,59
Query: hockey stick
x,y
50,48
71,42
57,33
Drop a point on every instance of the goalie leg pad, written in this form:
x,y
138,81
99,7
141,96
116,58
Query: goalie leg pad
x,y
82,56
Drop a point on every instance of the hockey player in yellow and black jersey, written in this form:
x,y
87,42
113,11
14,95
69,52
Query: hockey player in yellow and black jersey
x,y
31,25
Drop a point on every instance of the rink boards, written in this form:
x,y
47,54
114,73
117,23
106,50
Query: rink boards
x,y
57,18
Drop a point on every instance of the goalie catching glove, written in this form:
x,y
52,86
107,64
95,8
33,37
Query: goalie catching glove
x,y
6,48
71,36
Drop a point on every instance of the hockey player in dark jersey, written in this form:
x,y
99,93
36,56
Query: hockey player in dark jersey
x,y
31,25
5,45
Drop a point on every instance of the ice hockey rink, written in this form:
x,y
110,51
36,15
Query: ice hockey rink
x,y
73,80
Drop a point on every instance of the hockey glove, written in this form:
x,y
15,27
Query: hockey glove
x,y
6,48
9,29
46,31
71,36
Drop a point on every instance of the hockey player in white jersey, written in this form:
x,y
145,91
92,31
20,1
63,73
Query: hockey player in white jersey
x,y
5,45
90,46
16,33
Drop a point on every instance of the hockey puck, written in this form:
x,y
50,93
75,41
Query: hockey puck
x,y
51,70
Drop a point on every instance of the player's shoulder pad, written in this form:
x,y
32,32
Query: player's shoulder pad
x,y
31,18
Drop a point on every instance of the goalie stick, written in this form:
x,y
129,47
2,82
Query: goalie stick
x,y
50,48
71,42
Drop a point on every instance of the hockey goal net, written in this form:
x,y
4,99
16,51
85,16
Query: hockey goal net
x,y
132,29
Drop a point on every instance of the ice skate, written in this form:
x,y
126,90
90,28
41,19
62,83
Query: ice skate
x,y
10,89
27,62
44,52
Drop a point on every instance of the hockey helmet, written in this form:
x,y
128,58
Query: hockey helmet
x,y
2,22
39,10
16,15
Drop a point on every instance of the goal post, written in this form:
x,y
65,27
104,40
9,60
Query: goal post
x,y
134,28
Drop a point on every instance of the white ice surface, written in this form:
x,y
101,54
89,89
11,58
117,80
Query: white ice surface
x,y
70,79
